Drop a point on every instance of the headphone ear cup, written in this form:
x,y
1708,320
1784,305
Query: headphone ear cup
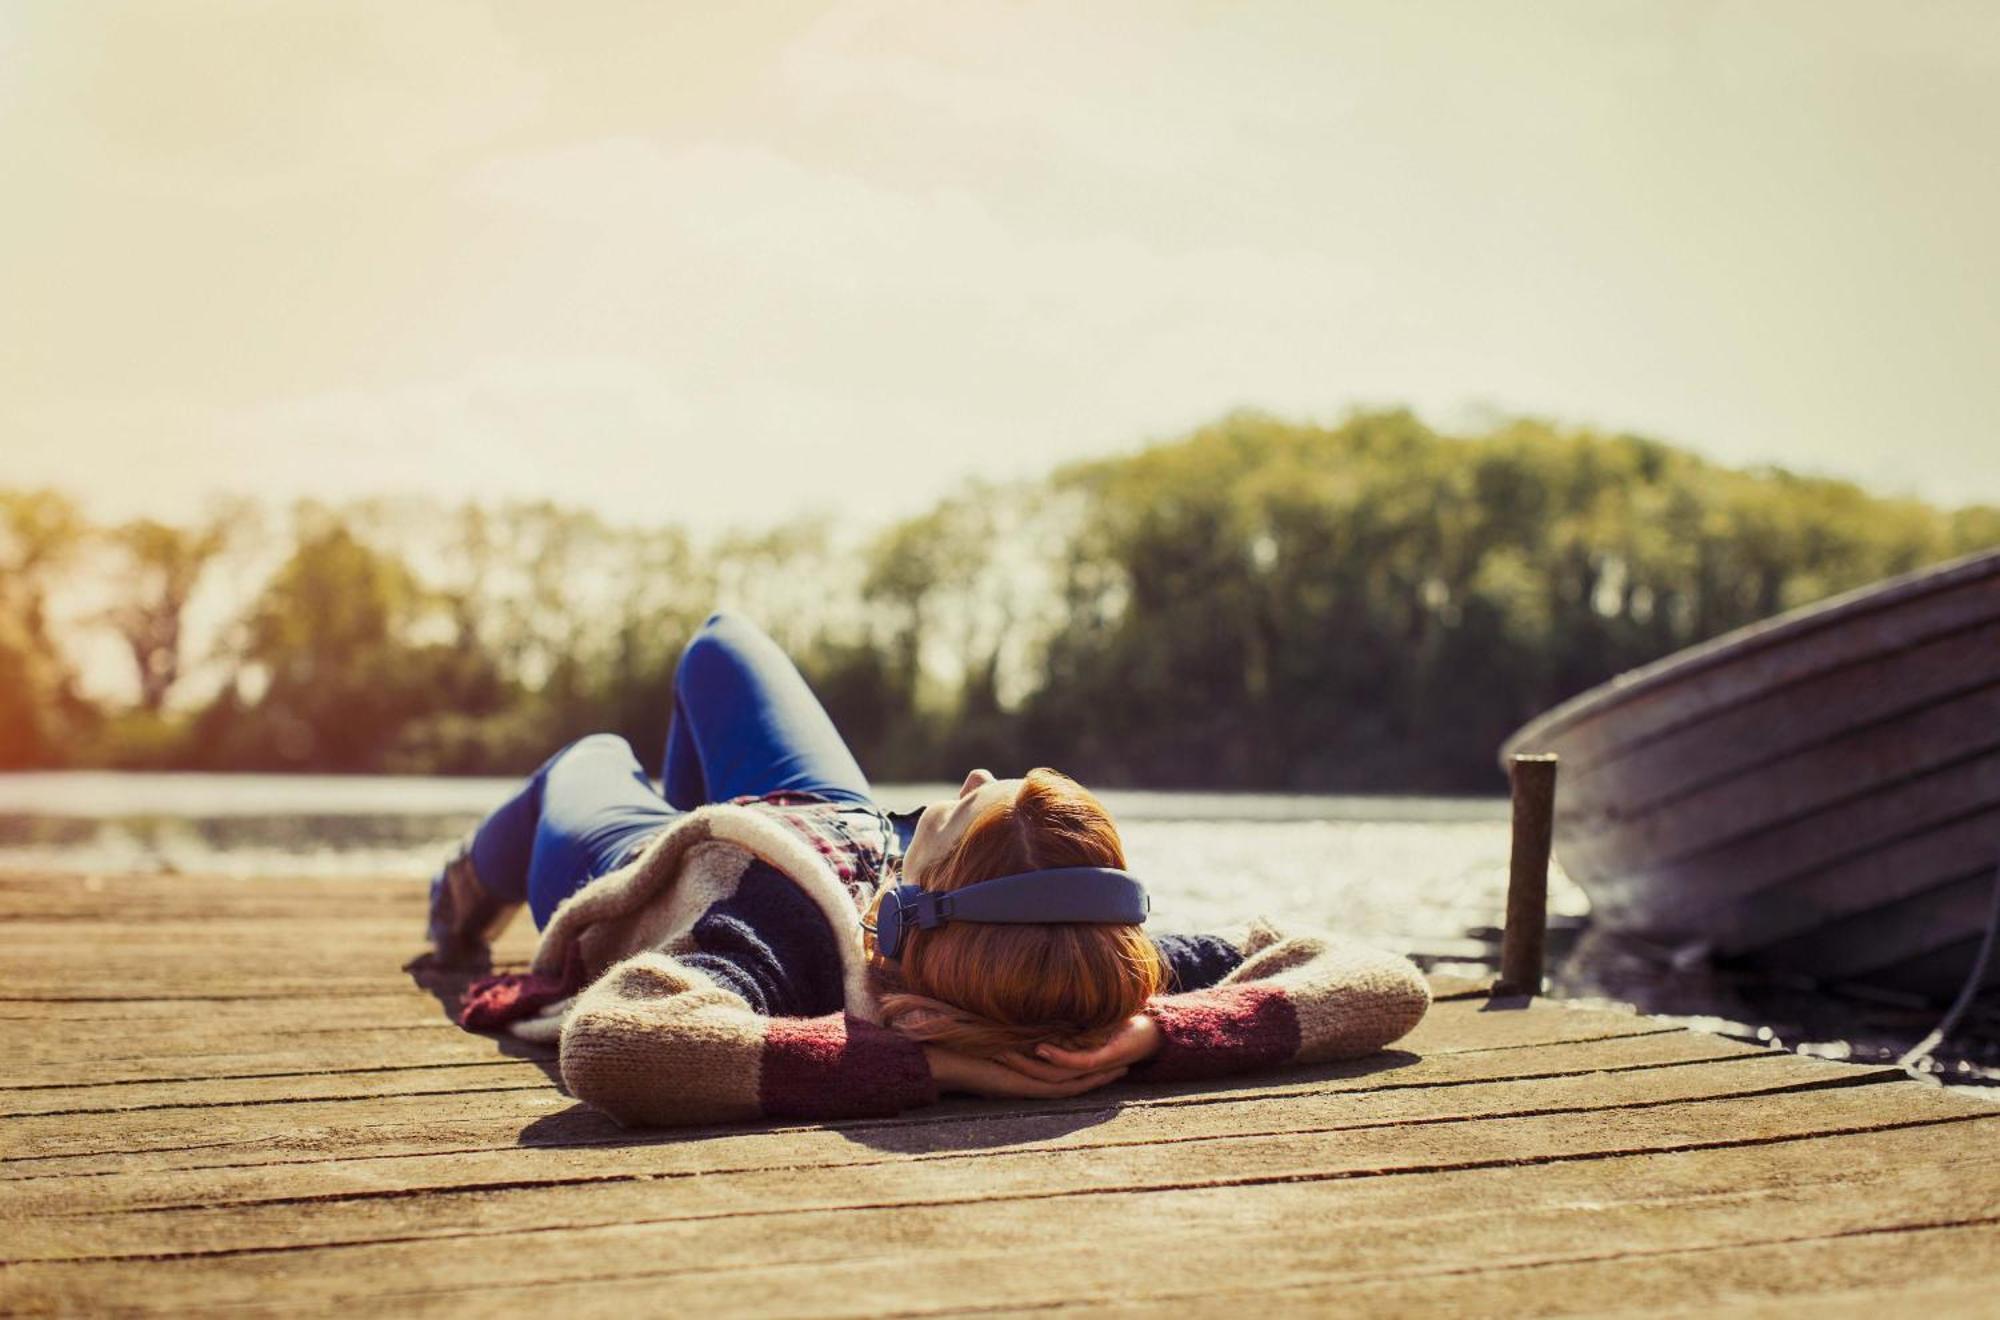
x,y
889,926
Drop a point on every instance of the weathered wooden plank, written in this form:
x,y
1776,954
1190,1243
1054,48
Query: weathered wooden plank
x,y
192,984
86,1102
173,1139
412,1127
232,1037
164,1019
1891,1270
300,1123
240,964
1304,1136
1195,1236
308,928
197,937
258,1142
592,1150
217,1110
1931,1297
118,1052
135,898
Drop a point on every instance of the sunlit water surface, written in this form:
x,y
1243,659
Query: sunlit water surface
x,y
1394,869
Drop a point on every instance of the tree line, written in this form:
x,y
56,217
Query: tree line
x,y
1370,606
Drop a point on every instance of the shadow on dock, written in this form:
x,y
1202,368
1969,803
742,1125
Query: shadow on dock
x,y
447,986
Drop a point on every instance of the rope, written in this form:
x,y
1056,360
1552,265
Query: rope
x,y
1921,1051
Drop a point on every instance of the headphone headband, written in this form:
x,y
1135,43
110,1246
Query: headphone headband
x,y
1069,893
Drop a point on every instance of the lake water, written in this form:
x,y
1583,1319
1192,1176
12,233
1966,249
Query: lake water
x,y
1426,876
1406,871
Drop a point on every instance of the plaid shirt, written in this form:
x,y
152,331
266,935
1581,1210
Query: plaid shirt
x,y
859,842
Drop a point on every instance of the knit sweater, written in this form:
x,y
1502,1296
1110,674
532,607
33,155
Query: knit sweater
x,y
726,980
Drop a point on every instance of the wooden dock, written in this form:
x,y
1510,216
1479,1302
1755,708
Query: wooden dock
x,y
226,1094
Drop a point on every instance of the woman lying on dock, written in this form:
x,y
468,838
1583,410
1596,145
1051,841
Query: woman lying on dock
x,y
765,941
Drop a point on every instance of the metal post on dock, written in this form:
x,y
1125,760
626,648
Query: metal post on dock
x,y
1534,783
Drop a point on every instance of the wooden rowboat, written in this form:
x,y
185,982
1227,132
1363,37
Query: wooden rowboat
x,y
1818,793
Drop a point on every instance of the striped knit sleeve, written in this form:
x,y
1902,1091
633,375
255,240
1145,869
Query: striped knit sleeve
x,y
1294,998
657,1043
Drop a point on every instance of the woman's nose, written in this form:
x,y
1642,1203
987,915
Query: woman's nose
x,y
975,781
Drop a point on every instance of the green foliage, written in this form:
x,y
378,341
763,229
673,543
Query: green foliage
x,y
1374,606
337,669
1371,606
162,566
44,720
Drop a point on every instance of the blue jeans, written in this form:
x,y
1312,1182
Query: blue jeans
x,y
744,724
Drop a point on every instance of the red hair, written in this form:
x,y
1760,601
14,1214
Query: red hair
x,y
985,989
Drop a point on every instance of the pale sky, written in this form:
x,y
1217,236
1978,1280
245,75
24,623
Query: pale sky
x,y
720,263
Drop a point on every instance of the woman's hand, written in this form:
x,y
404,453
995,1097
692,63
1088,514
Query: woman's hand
x,y
953,1071
1136,1041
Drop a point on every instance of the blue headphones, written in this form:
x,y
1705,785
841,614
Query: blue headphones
x,y
1069,893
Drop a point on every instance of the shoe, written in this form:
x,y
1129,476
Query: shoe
x,y
465,919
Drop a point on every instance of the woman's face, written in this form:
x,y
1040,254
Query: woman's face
x,y
945,822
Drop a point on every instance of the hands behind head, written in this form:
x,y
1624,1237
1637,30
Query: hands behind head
x,y
1050,1072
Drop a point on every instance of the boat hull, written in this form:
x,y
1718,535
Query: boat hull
x,y
1818,794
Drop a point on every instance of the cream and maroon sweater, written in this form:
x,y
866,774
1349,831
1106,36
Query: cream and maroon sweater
x,y
726,980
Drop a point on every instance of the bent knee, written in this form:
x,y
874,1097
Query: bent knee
x,y
597,747
720,643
